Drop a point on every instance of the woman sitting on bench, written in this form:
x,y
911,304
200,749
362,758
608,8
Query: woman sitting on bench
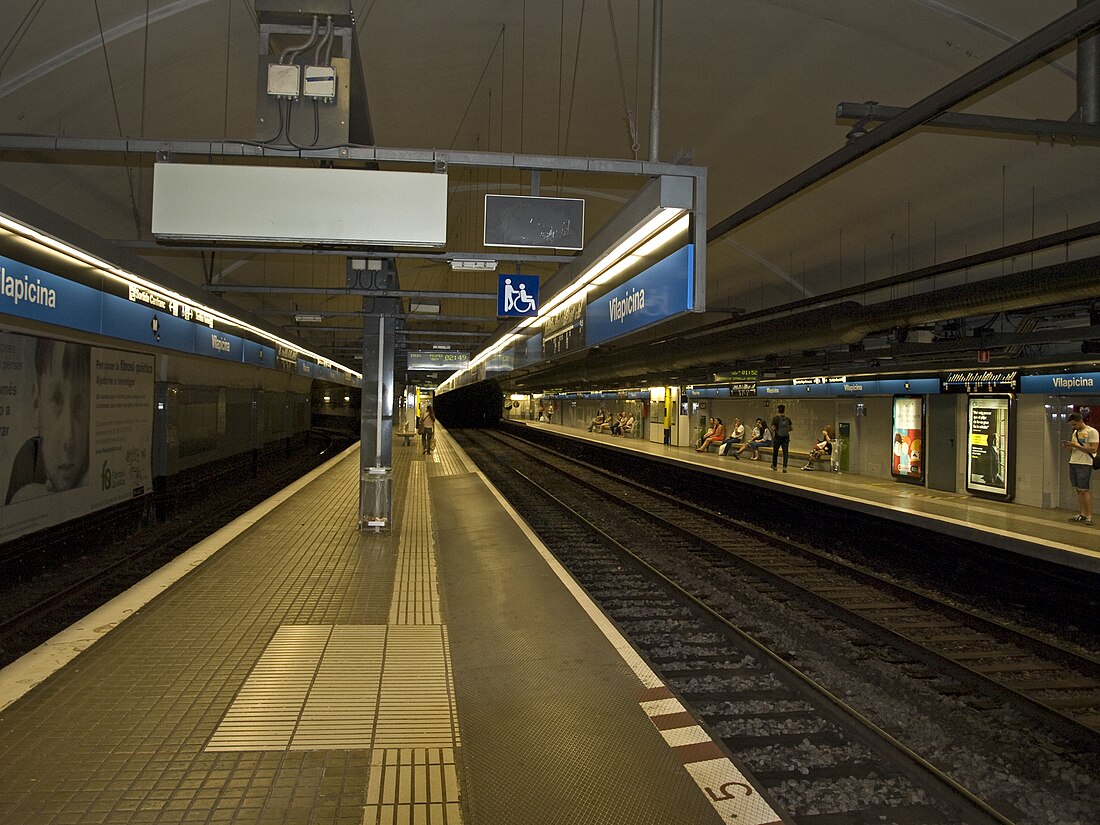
x,y
716,436
822,448
761,437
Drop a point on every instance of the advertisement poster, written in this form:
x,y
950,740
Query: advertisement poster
x,y
989,446
908,460
76,430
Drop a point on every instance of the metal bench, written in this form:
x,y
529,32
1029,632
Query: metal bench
x,y
407,436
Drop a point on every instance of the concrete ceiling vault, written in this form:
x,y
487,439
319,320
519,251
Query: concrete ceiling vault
x,y
749,90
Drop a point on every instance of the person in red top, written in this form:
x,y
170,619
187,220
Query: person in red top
x,y
716,436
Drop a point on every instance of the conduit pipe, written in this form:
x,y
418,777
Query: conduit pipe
x,y
655,94
292,52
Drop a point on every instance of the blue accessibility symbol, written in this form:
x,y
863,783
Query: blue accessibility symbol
x,y
518,296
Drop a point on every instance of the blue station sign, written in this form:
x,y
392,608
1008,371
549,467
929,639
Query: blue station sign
x,y
653,295
1066,383
874,386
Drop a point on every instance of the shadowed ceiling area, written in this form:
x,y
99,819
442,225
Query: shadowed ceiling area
x,y
749,90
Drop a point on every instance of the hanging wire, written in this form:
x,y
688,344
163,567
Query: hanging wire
x,y
144,68
228,43
364,13
632,126
576,66
251,13
118,120
478,86
637,56
144,87
561,70
522,72
20,32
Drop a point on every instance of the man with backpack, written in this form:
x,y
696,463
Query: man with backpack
x,y
781,436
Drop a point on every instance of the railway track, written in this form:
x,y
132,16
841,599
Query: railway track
x,y
709,555
102,574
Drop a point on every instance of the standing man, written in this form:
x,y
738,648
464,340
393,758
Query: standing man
x,y
1082,446
781,436
427,429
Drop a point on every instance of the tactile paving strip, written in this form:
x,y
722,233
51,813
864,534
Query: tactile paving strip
x,y
345,687
416,588
413,786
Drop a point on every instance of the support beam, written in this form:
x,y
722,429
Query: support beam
x,y
1004,253
352,313
357,331
336,290
984,124
1012,59
1088,75
378,405
364,154
442,257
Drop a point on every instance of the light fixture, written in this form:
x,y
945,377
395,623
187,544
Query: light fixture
x,y
473,264
201,312
423,308
309,318
665,216
860,128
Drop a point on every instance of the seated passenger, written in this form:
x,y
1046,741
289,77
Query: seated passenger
x,y
761,437
710,431
617,424
736,437
597,421
822,448
717,436
628,425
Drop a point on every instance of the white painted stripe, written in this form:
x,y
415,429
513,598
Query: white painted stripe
x,y
625,650
663,707
713,777
691,735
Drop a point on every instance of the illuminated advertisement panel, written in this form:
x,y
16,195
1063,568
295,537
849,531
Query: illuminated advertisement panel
x,y
990,463
76,430
907,463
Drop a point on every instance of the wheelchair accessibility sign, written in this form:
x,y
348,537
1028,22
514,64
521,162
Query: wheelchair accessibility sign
x,y
518,296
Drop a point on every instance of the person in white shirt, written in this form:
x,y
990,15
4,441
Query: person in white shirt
x,y
1082,446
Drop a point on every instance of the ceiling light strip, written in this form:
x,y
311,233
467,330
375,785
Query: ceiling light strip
x,y
128,277
657,230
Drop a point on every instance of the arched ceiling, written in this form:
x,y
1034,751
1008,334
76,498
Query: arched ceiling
x,y
748,90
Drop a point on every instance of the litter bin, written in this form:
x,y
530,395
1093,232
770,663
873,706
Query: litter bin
x,y
375,497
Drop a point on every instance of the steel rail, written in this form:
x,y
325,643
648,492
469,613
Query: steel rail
x,y
875,737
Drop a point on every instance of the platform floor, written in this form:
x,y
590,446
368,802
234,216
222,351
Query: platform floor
x,y
292,669
1031,531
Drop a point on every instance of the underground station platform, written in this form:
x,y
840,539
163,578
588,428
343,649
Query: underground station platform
x,y
294,669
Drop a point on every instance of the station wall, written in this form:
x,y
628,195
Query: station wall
x,y
1041,477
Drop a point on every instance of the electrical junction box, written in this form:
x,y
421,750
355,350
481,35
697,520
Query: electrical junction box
x,y
282,80
320,82
272,125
